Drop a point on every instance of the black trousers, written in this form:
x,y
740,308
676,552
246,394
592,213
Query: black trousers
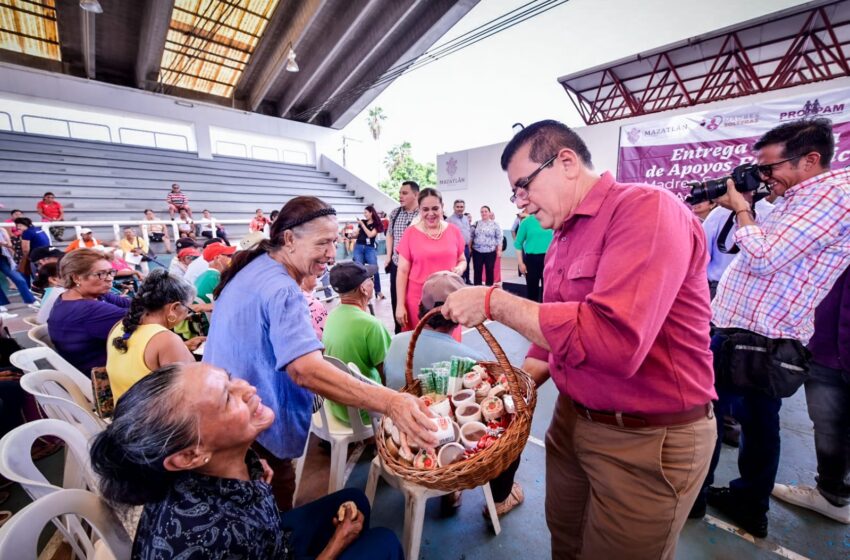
x,y
534,275
485,262
392,269
502,484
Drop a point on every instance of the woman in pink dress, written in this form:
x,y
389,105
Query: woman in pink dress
x,y
429,245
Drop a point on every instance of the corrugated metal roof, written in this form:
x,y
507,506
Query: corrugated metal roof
x,y
29,27
209,42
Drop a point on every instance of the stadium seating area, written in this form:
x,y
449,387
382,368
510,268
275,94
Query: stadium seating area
x,y
98,181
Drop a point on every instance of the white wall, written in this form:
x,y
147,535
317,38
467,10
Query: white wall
x,y
52,87
488,184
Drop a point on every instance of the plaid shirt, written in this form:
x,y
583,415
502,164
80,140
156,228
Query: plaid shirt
x,y
788,264
400,220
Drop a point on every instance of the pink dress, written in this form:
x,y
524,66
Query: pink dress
x,y
427,256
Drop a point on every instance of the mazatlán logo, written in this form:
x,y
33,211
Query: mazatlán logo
x,y
633,134
451,166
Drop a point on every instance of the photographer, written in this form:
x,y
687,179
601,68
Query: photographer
x,y
764,309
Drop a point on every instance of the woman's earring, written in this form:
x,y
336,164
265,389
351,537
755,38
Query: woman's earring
x,y
171,319
206,460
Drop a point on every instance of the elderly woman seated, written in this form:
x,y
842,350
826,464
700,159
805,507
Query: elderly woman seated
x,y
143,340
83,315
179,444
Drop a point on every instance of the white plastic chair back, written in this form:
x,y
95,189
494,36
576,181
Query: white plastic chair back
x,y
16,465
19,536
327,427
61,398
40,336
360,431
41,357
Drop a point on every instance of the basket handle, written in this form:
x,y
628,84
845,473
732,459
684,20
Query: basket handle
x,y
501,358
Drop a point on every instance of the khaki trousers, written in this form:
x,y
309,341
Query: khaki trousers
x,y
621,492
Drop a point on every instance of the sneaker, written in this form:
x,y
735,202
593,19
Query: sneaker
x,y
726,502
515,498
8,315
4,309
810,498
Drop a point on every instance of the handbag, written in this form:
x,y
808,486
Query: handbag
x,y
776,367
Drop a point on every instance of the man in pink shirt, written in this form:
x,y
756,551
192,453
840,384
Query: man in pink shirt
x,y
623,331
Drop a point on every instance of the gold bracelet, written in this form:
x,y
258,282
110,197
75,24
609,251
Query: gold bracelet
x,y
748,211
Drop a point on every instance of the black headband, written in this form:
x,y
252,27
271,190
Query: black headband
x,y
308,218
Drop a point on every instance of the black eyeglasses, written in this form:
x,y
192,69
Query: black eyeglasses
x,y
766,170
521,186
104,274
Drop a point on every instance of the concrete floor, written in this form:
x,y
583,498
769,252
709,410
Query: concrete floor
x,y
795,533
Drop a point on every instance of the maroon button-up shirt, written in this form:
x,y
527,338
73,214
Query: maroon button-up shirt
x,y
626,305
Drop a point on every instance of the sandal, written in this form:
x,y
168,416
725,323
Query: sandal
x,y
515,498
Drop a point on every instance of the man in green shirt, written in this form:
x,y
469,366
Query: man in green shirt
x,y
218,255
532,242
352,334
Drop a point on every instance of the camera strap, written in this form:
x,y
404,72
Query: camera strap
x,y
724,233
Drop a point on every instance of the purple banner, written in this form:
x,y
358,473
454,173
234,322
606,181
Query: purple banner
x,y
675,152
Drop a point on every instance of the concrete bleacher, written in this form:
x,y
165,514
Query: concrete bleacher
x,y
97,181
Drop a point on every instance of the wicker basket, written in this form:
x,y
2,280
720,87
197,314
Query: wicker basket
x,y
489,463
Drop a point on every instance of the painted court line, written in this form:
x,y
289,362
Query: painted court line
x,y
536,441
772,547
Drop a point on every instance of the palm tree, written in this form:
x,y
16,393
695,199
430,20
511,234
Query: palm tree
x,y
374,120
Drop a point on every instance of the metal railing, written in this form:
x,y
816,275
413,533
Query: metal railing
x,y
280,155
67,122
156,137
8,118
118,224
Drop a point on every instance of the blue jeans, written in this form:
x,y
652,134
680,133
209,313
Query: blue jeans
x,y
758,454
8,270
828,398
364,254
312,528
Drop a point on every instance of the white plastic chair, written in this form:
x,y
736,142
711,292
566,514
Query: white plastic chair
x,y
40,336
107,539
327,427
16,465
41,357
415,496
61,398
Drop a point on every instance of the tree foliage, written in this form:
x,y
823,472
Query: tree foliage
x,y
375,121
402,167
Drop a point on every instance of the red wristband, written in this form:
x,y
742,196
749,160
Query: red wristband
x,y
487,303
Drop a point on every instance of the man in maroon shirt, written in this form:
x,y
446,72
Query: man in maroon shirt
x,y
623,331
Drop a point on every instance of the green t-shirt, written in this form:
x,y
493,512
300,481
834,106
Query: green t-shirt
x,y
353,335
531,238
207,283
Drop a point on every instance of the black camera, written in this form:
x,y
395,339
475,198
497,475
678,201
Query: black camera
x,y
745,177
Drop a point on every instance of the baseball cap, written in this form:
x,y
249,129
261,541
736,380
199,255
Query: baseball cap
x,y
85,230
216,249
188,251
437,288
348,276
184,242
251,240
45,253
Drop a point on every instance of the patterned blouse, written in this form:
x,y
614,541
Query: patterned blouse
x,y
486,236
214,518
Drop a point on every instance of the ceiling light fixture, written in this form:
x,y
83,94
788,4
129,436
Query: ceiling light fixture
x,y
291,65
92,6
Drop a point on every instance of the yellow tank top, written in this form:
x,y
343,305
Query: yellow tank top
x,y
125,368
